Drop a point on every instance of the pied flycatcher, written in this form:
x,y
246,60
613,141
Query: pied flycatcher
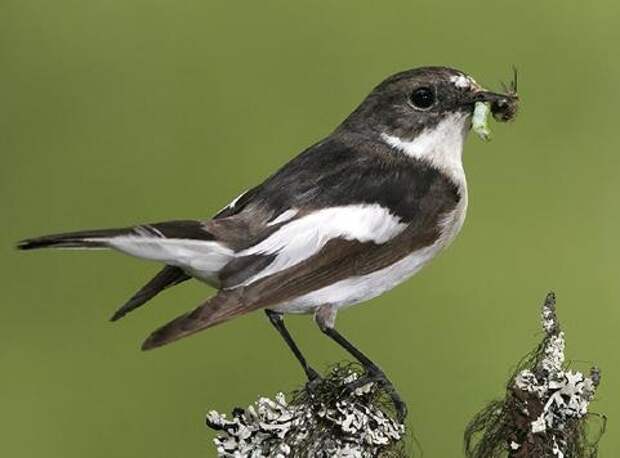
x,y
349,218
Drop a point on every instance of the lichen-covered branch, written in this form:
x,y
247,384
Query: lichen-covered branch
x,y
321,420
545,411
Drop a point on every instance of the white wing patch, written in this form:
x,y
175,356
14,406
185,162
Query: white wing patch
x,y
283,217
304,237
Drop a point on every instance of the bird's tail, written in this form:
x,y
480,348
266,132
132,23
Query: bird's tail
x,y
169,276
94,239
186,246
172,242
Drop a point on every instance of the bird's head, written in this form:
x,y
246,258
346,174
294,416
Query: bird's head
x,y
412,102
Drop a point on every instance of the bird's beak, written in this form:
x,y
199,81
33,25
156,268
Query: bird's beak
x,y
503,106
487,96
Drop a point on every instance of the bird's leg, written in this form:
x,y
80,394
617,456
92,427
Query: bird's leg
x,y
325,318
278,322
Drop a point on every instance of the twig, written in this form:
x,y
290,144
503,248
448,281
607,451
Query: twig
x,y
545,411
322,420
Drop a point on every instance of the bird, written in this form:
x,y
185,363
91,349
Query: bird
x,y
349,218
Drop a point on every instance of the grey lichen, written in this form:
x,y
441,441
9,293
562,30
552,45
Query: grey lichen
x,y
546,407
322,420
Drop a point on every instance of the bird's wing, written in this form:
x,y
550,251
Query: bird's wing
x,y
329,192
338,262
367,218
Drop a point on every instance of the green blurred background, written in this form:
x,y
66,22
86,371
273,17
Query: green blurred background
x,y
116,112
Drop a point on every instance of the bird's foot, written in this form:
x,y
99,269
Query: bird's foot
x,y
314,380
376,376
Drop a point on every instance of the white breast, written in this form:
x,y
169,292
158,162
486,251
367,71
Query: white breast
x,y
441,146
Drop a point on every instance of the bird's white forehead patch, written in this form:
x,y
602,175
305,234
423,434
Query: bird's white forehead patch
x,y
463,81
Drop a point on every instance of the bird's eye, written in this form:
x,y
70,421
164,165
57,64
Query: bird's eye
x,y
423,98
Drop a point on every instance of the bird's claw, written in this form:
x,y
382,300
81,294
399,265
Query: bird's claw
x,y
377,377
314,380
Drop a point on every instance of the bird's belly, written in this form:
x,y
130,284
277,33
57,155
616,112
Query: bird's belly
x,y
359,289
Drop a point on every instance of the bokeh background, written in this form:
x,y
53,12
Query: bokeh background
x,y
115,112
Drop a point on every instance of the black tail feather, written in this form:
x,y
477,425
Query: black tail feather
x,y
167,277
183,229
82,239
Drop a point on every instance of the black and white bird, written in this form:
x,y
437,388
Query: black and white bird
x,y
346,220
